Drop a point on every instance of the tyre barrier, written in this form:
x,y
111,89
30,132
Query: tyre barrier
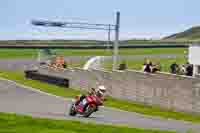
x,y
35,75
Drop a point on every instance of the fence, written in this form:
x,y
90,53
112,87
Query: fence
x,y
168,91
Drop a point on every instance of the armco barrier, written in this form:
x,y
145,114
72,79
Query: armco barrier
x,y
35,75
166,90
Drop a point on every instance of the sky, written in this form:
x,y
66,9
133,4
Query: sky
x,y
139,18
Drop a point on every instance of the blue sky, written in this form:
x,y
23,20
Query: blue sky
x,y
139,18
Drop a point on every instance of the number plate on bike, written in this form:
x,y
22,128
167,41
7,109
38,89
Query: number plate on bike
x,y
84,101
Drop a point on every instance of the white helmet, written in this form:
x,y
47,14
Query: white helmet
x,y
101,89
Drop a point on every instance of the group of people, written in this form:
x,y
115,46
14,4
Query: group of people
x,y
150,67
185,69
58,62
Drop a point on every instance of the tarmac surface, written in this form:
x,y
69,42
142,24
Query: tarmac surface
x,y
25,100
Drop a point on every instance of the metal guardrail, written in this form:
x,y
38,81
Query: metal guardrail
x,y
35,75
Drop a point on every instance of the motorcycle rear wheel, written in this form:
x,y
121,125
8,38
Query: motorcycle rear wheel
x,y
72,111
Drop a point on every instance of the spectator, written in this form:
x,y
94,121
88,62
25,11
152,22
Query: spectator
x,y
147,66
189,69
123,66
174,68
156,67
183,69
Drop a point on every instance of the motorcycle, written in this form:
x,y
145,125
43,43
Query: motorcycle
x,y
86,107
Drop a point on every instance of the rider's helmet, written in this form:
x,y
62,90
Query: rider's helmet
x,y
101,90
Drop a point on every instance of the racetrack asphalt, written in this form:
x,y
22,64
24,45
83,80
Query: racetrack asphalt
x,y
20,99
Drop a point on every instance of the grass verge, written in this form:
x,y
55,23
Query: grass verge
x,y
32,53
11,123
111,102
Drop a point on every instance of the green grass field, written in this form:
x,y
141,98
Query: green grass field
x,y
18,53
111,102
132,64
11,123
124,51
32,53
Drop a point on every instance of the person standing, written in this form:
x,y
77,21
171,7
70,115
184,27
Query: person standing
x,y
174,68
189,69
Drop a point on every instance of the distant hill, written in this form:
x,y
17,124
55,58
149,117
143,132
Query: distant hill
x,y
190,34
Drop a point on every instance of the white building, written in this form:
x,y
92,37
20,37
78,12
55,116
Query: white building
x,y
194,58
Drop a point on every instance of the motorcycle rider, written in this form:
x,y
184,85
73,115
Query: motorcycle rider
x,y
99,92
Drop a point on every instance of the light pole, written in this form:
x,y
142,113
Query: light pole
x,y
80,25
108,41
116,43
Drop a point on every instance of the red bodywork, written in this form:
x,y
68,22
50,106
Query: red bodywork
x,y
90,101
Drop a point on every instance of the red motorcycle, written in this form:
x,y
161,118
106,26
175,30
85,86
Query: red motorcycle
x,y
86,107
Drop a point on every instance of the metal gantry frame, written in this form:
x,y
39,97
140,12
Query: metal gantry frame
x,y
81,25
